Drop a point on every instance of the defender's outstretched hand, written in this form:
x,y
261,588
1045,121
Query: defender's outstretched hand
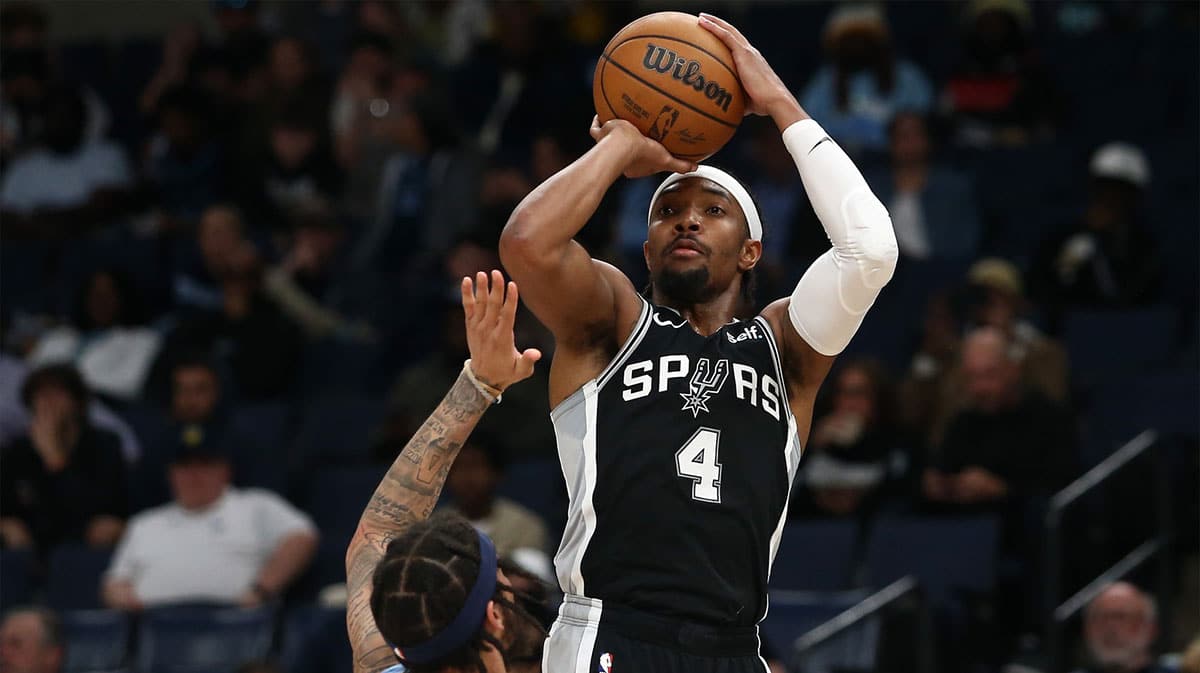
x,y
766,93
490,313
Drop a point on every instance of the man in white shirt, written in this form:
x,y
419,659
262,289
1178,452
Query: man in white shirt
x,y
213,544
68,182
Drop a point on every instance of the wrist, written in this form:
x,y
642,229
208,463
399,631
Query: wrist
x,y
786,111
261,592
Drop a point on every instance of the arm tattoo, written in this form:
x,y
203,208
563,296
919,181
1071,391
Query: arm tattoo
x,y
409,491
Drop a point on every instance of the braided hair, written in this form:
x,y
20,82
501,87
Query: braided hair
x,y
422,583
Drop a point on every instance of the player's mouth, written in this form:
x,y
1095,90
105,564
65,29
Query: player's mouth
x,y
686,248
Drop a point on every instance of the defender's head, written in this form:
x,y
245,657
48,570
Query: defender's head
x,y
441,600
705,235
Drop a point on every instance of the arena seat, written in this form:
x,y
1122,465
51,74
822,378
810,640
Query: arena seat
x,y
16,577
1109,346
202,639
537,485
314,641
815,556
262,432
97,640
335,500
952,558
793,613
338,429
74,577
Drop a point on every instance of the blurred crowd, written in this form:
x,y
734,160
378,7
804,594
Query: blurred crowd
x,y
224,248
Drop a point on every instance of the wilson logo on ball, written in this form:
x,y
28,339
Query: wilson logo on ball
x,y
663,60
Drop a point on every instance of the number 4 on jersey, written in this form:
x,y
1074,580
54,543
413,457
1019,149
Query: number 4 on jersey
x,y
697,460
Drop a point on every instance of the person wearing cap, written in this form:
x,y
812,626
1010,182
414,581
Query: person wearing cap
x,y
993,297
214,543
64,481
1108,259
999,94
864,83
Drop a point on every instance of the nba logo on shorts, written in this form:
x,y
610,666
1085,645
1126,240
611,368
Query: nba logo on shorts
x,y
606,662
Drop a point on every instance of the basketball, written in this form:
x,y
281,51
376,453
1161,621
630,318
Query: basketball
x,y
674,81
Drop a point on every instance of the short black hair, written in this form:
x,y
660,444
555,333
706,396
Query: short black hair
x,y
62,375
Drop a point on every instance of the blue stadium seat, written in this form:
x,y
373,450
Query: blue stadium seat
x,y
73,580
202,639
338,429
952,558
24,276
1109,346
314,641
16,577
815,556
537,485
262,434
335,500
336,367
1165,403
97,640
793,613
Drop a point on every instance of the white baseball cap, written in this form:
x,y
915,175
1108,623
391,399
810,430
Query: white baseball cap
x,y
1121,161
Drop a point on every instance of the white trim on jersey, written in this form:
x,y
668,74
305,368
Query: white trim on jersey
x,y
792,449
572,639
576,440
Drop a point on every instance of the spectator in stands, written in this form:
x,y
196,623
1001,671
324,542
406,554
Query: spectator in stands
x,y
180,47
519,534
1108,259
106,339
856,93
65,480
185,163
248,332
849,453
364,95
31,641
68,184
933,207
214,543
1008,443
27,74
993,297
303,279
299,169
1120,626
14,417
219,236
1000,94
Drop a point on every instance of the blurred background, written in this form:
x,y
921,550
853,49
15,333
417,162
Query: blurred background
x,y
232,234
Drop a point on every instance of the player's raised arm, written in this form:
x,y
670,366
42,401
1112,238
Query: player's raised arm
x,y
573,295
410,489
829,302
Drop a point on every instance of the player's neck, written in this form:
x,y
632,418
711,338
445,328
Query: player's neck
x,y
704,317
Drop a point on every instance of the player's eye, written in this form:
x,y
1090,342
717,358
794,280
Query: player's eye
x,y
716,210
664,211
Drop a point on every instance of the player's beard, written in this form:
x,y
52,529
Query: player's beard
x,y
685,288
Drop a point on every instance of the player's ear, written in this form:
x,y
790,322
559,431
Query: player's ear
x,y
493,621
646,252
751,253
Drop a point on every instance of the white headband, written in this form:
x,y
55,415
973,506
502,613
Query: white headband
x,y
729,183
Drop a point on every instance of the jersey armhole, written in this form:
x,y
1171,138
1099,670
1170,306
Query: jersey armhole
x,y
631,343
777,360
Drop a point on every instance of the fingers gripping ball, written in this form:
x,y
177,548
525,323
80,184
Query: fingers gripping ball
x,y
674,81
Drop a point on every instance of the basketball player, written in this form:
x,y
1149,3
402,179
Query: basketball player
x,y
428,592
679,427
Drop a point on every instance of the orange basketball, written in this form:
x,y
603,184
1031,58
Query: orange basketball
x,y
673,80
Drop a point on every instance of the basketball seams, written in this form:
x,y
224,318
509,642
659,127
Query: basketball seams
x,y
675,39
689,106
604,95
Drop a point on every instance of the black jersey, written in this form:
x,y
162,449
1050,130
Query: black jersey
x,y
678,458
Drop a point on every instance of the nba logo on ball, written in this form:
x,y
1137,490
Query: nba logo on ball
x,y
674,81
606,662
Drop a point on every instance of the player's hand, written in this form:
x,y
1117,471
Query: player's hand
x,y
644,156
490,313
767,94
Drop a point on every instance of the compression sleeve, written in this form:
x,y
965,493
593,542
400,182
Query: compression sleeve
x,y
832,297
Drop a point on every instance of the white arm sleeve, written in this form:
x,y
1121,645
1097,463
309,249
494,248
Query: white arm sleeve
x,y
832,297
